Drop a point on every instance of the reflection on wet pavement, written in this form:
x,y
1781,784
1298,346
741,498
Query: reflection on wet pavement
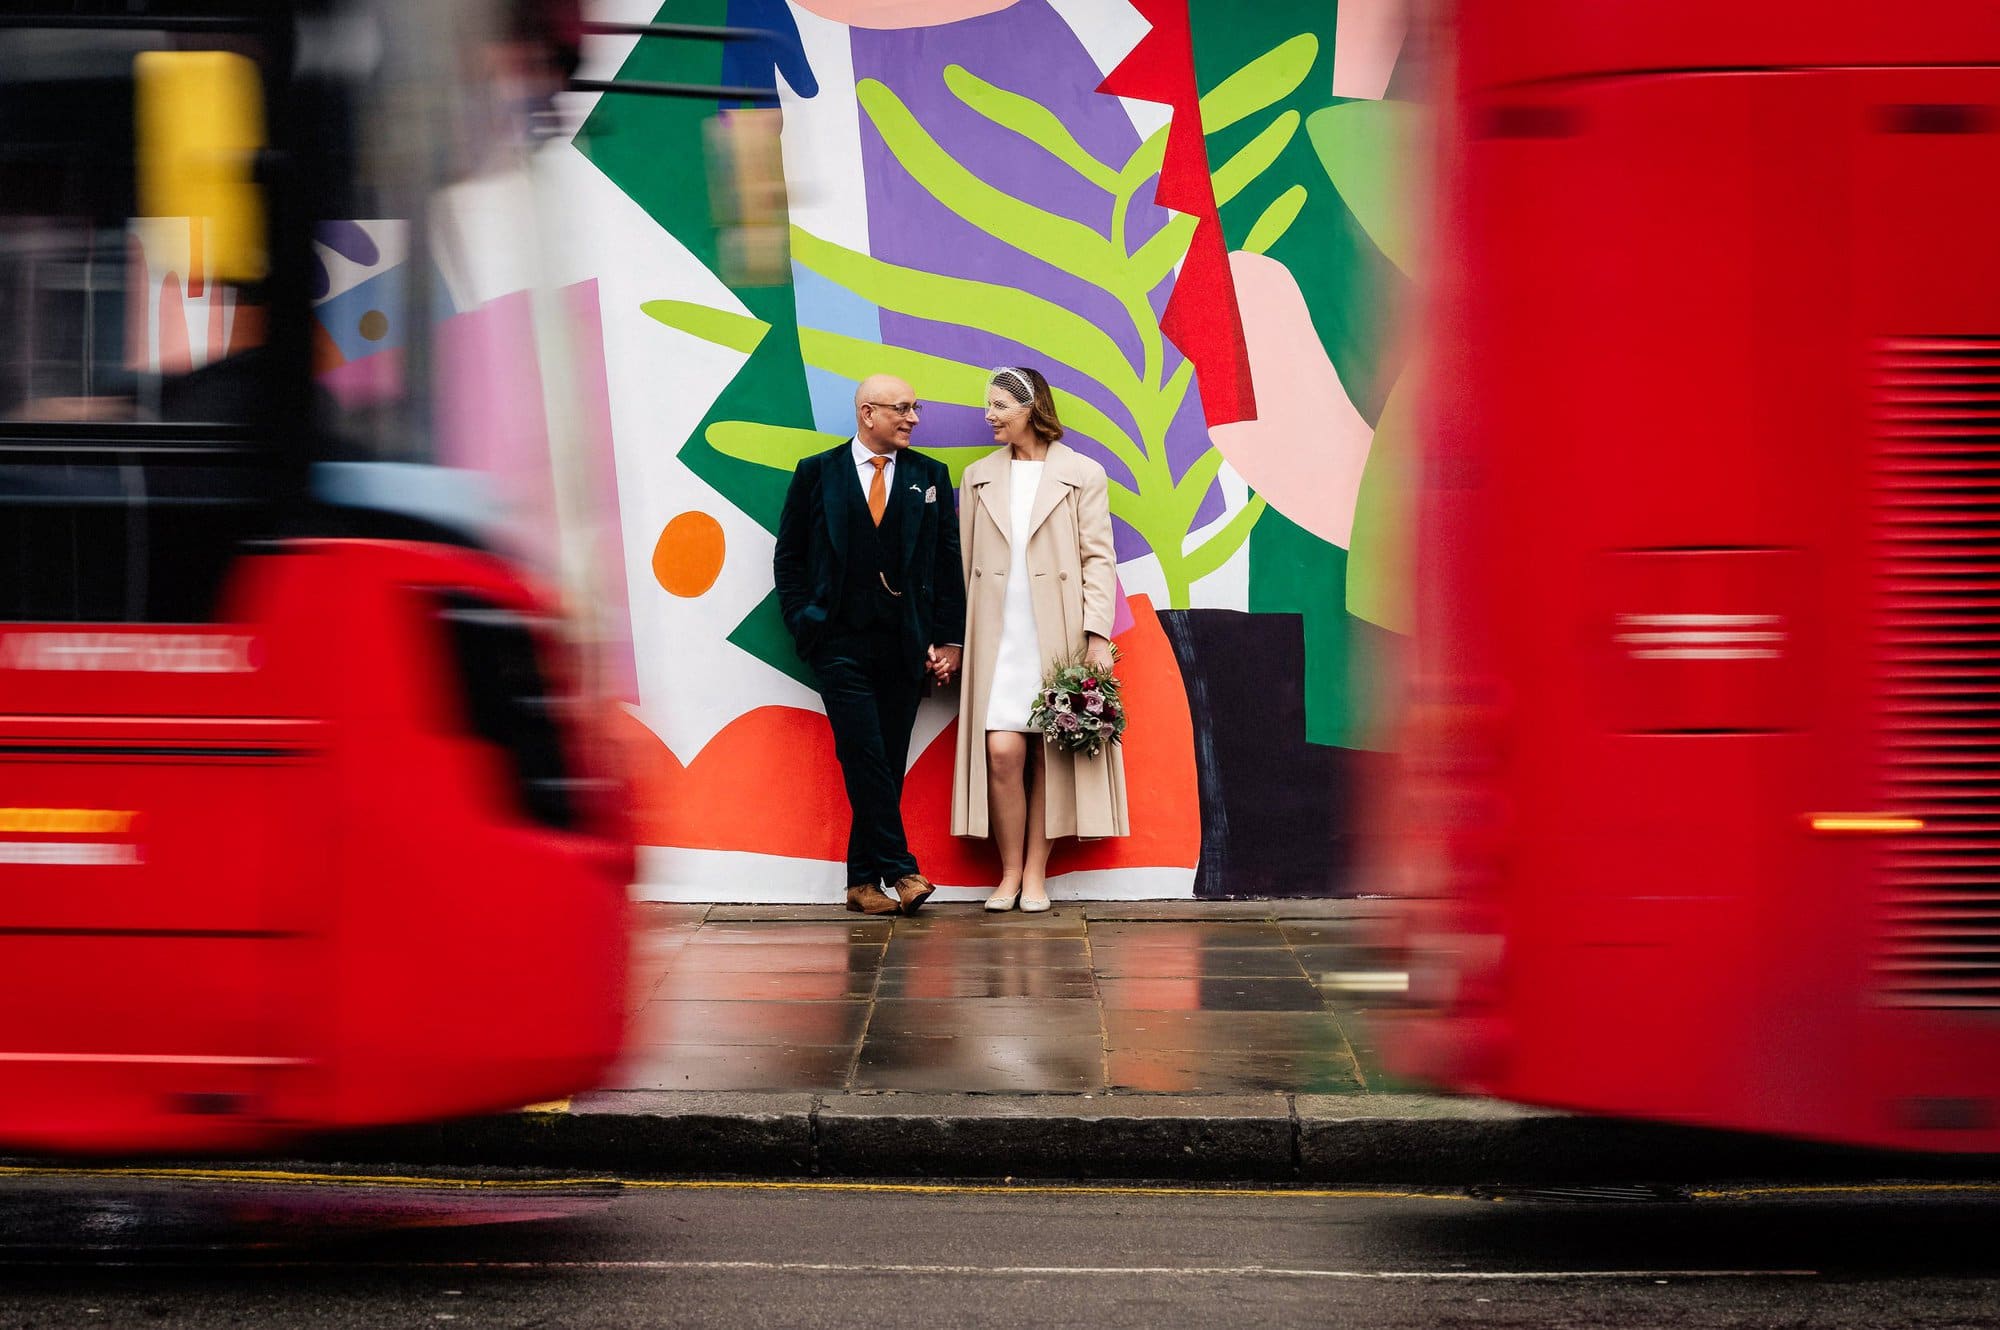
x,y
810,999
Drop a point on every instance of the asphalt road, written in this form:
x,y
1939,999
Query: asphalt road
x,y
243,1250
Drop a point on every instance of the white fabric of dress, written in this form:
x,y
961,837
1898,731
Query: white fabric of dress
x,y
1017,665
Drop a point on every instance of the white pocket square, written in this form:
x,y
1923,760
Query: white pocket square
x,y
930,495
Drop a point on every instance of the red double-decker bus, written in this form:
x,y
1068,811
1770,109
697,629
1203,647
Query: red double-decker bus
x,y
302,820
1702,804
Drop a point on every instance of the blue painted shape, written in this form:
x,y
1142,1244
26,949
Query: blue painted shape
x,y
757,64
341,316
832,401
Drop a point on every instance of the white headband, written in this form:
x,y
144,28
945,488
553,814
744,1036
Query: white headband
x,y
1014,383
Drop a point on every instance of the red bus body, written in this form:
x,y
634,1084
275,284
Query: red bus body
x,y
1709,558
262,875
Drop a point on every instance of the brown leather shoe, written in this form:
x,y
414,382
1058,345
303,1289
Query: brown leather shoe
x,y
867,898
913,890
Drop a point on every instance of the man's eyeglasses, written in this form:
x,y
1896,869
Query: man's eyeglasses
x,y
900,408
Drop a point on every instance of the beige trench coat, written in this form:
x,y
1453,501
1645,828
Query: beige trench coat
x,y
1075,589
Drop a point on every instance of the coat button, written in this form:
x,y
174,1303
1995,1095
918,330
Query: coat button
x,y
979,572
1062,577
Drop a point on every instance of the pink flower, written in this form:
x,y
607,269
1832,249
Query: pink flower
x,y
1067,722
1093,704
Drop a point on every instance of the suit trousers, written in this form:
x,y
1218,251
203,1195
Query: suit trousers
x,y
871,701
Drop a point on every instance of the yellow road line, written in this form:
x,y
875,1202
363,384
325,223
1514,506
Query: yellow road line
x,y
304,1179
1845,1189
292,1177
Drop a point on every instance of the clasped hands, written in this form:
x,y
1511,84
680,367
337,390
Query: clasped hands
x,y
941,663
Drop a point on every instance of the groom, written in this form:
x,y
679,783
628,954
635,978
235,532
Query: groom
x,y
869,581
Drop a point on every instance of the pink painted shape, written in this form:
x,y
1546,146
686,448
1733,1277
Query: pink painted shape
x,y
600,478
1308,445
902,13
175,356
213,352
490,418
1367,38
365,382
1121,618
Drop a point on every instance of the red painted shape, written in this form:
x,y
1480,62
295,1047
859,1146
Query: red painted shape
x,y
1201,317
768,783
1159,778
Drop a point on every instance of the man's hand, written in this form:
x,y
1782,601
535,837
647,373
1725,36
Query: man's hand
x,y
943,662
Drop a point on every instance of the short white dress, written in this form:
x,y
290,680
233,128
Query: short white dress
x,y
1017,665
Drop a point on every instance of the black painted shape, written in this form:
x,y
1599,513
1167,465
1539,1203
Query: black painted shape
x,y
1277,813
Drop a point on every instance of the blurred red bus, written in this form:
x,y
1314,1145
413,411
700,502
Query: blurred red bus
x,y
1700,818
303,823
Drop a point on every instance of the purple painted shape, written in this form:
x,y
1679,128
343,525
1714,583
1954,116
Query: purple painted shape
x,y
1027,48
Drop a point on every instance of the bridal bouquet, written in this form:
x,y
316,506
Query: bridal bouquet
x,y
1079,709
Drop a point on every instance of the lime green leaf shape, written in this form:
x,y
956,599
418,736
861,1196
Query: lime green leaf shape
x,y
1032,121
1212,553
738,332
1267,80
1041,325
1069,245
1366,150
1255,157
779,446
1274,221
1380,552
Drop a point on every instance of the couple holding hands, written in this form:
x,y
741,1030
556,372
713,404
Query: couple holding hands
x,y
888,585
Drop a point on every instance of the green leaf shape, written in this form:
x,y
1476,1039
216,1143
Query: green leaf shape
x,y
738,332
1380,553
763,634
1365,148
1265,81
1274,221
1075,248
1255,157
779,446
1212,553
1032,121
1042,325
1156,258
941,379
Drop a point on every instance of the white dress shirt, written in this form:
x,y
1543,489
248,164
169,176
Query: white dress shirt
x,y
866,469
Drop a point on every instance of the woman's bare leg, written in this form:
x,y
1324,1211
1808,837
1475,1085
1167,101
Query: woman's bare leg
x,y
1035,868
1007,800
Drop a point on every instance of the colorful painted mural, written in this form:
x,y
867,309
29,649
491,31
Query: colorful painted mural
x,y
1192,216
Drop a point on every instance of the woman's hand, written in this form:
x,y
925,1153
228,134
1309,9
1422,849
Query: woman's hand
x,y
1097,654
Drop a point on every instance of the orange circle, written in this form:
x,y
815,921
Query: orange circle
x,y
688,558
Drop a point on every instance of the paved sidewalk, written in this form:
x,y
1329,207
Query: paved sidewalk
x,y
1155,998
1169,1040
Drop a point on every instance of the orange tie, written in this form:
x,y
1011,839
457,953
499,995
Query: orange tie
x,y
878,490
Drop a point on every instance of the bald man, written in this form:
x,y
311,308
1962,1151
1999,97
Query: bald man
x,y
869,581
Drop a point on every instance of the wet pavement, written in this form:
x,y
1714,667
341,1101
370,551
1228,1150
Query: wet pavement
x,y
1154,997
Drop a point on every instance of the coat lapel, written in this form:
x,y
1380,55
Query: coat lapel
x,y
840,491
912,479
1054,487
994,491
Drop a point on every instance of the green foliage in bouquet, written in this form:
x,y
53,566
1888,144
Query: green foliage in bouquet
x,y
1079,708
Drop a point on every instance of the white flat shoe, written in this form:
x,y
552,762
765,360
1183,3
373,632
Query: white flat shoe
x,y
1001,904
1034,907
